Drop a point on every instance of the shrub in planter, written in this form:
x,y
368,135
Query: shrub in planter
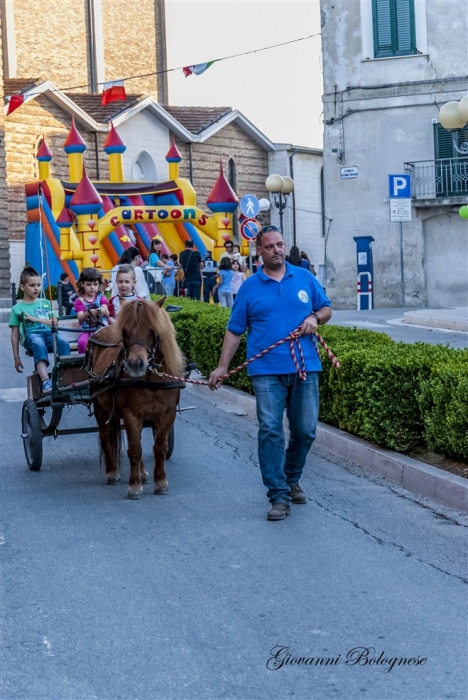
x,y
377,390
341,340
444,405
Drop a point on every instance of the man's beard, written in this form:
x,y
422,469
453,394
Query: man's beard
x,y
272,265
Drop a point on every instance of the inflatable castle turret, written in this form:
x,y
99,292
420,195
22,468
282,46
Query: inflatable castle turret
x,y
223,202
115,147
74,147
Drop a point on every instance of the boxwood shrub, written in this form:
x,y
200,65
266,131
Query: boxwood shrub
x,y
402,396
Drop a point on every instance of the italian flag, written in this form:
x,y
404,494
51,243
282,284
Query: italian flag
x,y
198,69
113,92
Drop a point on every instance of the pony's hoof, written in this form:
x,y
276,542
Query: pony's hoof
x,y
144,478
161,490
113,481
134,495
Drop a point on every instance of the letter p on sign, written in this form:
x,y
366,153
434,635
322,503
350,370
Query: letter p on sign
x,y
399,186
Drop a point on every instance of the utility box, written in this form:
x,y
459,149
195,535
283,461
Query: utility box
x,y
365,273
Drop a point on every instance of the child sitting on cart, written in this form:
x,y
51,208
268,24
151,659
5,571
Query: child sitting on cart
x,y
30,322
91,305
125,280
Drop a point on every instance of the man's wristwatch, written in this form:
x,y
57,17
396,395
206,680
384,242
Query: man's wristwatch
x,y
316,318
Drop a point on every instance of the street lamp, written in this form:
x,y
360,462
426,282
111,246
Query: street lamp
x,y
453,116
280,187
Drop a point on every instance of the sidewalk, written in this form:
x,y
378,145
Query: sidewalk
x,y
452,319
415,476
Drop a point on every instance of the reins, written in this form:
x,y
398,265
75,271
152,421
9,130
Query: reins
x,y
292,338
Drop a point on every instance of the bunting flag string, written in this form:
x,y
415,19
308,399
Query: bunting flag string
x,y
198,69
117,87
113,91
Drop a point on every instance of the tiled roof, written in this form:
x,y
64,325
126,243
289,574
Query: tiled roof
x,y
91,104
197,119
13,86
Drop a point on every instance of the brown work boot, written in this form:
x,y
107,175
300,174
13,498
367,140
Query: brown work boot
x,y
278,511
297,494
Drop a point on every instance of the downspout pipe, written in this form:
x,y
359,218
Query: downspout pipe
x,y
190,162
291,174
91,45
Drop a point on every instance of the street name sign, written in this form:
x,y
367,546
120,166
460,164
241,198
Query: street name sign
x,y
348,173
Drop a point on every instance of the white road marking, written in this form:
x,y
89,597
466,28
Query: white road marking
x,y
48,647
10,395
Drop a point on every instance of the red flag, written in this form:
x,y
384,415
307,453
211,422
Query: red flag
x,y
14,102
113,92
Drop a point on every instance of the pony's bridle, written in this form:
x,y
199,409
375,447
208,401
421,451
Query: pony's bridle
x,y
153,366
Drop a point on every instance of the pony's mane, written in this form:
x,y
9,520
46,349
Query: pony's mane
x,y
144,314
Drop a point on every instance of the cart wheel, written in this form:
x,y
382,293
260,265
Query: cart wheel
x,y
32,435
170,442
55,418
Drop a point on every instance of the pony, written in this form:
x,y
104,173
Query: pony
x,y
123,361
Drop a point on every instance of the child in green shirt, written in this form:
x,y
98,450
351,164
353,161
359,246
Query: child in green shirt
x,y
30,322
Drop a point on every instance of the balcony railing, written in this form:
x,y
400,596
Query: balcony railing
x,y
446,177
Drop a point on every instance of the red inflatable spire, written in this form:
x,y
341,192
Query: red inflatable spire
x,y
86,199
74,142
222,192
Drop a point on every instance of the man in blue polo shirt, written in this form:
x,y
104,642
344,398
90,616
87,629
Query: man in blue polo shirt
x,y
270,305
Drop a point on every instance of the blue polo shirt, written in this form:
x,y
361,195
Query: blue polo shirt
x,y
270,310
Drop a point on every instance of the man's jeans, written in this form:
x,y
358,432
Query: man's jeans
x,y
281,469
194,288
209,284
40,343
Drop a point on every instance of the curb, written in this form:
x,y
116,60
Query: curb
x,y
424,479
420,318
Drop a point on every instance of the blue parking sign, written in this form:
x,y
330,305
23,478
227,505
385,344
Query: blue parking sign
x,y
399,186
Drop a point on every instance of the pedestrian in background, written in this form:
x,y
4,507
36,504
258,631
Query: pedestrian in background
x,y
294,257
192,265
237,279
209,274
223,284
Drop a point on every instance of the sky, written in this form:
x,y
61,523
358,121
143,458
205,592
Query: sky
x,y
278,90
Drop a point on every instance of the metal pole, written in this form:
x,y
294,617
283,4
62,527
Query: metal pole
x,y
402,267
13,293
280,210
60,297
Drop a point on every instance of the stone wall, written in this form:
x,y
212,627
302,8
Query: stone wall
x,y
24,129
130,43
52,42
4,245
251,163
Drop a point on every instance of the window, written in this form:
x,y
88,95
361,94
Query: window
x,y
143,168
394,28
451,167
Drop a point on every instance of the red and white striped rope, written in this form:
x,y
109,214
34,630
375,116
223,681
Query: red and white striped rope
x,y
291,338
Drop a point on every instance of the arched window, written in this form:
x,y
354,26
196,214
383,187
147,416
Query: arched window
x,y
232,179
144,168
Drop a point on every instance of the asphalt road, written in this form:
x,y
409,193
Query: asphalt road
x,y
185,596
390,321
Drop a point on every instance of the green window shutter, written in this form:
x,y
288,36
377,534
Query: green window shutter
x,y
443,142
394,28
443,146
405,35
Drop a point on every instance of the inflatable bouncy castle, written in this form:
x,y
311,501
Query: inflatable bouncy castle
x,y
80,223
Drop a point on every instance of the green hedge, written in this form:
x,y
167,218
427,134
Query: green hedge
x,y
406,397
